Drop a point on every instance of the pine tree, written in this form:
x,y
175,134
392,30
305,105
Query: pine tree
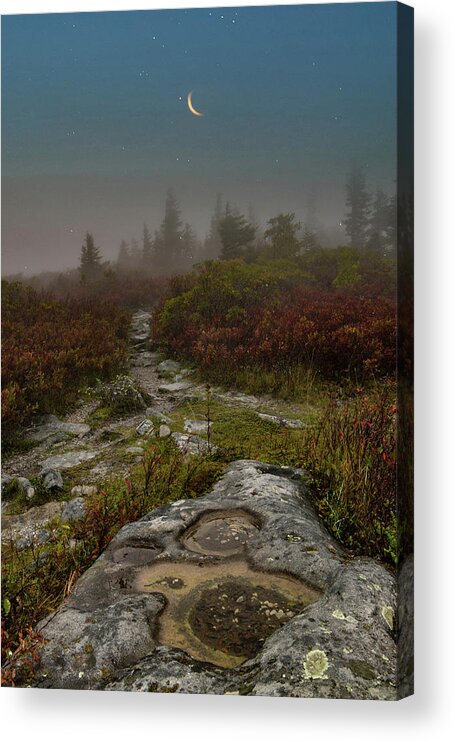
x,y
236,235
281,233
189,243
123,258
212,243
147,248
358,202
90,267
168,248
136,254
379,222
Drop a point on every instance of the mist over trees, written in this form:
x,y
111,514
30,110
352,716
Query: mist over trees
x,y
173,246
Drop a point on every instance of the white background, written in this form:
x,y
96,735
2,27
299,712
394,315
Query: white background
x,y
70,715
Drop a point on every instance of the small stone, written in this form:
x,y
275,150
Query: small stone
x,y
84,490
73,510
165,431
168,366
52,479
196,426
146,427
178,386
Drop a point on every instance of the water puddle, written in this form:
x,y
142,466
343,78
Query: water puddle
x,y
222,613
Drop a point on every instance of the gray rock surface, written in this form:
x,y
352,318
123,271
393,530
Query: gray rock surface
x,y
195,426
256,528
69,459
168,366
84,490
283,421
146,427
73,510
175,387
52,479
32,526
50,428
192,444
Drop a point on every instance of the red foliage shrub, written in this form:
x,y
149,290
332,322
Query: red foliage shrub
x,y
233,316
51,347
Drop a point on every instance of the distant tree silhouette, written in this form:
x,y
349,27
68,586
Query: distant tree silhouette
x,y
281,234
212,243
124,257
188,244
136,254
147,248
236,235
358,202
378,237
168,246
90,267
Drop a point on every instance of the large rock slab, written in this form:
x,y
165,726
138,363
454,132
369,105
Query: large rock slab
x,y
68,460
241,591
53,430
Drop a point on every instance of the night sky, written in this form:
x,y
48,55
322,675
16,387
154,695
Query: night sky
x,y
96,124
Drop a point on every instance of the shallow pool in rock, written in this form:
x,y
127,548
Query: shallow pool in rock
x,y
222,613
221,533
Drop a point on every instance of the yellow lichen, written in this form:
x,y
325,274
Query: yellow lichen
x,y
316,664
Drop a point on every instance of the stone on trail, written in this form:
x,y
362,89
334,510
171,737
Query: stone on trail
x,y
168,366
196,426
146,427
52,430
192,444
31,527
52,479
68,460
247,592
73,510
283,421
84,490
175,387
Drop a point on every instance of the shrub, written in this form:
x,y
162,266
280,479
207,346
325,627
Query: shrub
x,y
233,316
52,347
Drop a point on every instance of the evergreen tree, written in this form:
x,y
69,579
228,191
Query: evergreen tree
x,y
379,222
358,202
392,224
281,233
236,235
212,243
169,248
147,248
123,258
90,267
136,254
189,243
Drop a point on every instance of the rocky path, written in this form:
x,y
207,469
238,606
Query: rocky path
x,y
240,591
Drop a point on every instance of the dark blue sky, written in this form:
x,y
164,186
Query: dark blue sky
x,y
96,125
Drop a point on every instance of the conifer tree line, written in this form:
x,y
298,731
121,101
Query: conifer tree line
x,y
369,223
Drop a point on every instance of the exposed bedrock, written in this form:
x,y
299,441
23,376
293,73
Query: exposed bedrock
x,y
240,591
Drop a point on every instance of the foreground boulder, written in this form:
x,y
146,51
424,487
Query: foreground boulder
x,y
241,591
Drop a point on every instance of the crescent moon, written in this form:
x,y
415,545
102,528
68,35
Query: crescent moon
x,y
191,107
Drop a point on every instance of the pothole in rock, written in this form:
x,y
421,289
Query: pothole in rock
x,y
222,613
220,533
135,553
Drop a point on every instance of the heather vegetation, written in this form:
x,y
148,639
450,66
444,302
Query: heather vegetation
x,y
51,347
268,312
